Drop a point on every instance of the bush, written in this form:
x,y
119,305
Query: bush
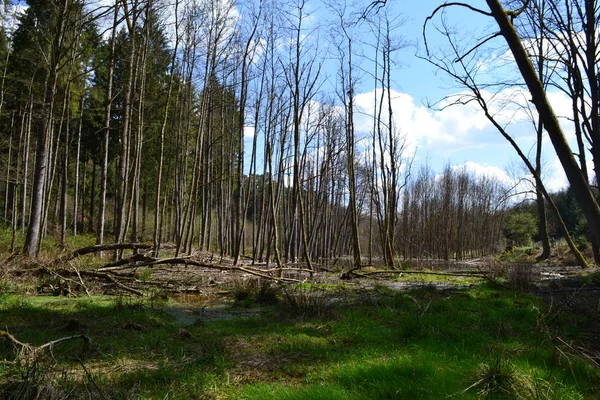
x,y
521,276
307,302
501,379
259,291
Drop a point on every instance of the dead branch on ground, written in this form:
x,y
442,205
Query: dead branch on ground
x,y
97,249
369,274
29,353
108,273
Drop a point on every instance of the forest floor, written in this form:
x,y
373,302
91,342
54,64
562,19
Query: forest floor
x,y
434,330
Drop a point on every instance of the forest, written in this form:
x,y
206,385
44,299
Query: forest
x,y
156,149
143,139
207,125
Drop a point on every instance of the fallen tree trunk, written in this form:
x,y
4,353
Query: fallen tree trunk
x,y
99,248
107,273
388,271
138,261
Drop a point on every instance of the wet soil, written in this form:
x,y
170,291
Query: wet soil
x,y
203,295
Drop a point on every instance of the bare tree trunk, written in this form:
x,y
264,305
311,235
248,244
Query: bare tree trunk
x,y
106,131
347,96
123,175
77,156
580,187
163,129
241,211
24,198
44,134
65,173
7,189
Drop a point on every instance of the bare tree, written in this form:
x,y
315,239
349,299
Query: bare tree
x,y
466,77
45,131
346,95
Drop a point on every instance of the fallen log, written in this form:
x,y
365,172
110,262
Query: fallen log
x,y
107,273
385,271
126,263
97,249
253,271
151,262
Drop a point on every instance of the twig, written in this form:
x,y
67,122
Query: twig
x,y
31,352
9,258
286,269
449,4
13,339
582,352
91,378
80,280
121,286
489,278
52,343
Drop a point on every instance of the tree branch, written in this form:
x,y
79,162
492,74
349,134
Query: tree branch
x,y
451,4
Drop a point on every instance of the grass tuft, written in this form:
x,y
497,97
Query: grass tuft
x,y
255,291
501,379
307,302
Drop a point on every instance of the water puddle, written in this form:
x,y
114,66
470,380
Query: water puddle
x,y
193,308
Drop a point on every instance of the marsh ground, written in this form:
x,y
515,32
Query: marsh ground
x,y
406,336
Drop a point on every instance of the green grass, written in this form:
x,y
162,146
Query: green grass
x,y
50,243
439,279
518,254
412,345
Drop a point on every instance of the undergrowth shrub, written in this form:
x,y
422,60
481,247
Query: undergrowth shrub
x,y
521,276
122,304
5,289
38,372
496,270
255,290
157,298
501,379
307,302
29,385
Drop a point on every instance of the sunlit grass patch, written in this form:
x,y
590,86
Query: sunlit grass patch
x,y
450,280
308,302
421,344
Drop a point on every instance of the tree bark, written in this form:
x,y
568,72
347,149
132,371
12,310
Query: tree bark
x,y
106,133
44,135
579,184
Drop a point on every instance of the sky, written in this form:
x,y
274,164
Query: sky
x,y
459,136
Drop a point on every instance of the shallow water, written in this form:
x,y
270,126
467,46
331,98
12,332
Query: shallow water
x,y
192,308
190,314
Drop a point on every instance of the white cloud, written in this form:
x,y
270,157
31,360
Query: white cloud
x,y
249,131
556,180
486,171
454,127
464,131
